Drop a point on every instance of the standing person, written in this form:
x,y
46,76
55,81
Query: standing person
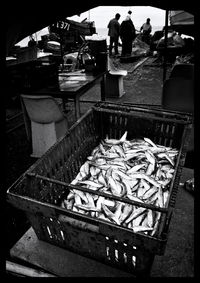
x,y
127,34
129,14
113,32
146,29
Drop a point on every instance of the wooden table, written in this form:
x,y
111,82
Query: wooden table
x,y
72,85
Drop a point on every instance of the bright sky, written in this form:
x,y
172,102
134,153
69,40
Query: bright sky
x,y
102,14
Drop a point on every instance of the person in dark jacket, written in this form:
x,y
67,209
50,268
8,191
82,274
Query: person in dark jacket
x,y
113,32
127,35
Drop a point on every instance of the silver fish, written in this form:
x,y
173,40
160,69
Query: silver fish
x,y
110,215
91,183
123,138
117,212
135,168
85,168
150,169
165,198
150,157
99,202
126,211
113,186
165,155
102,180
137,221
150,218
86,207
141,229
131,197
135,213
149,193
150,142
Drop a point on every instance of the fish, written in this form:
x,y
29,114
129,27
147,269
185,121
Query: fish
x,y
102,180
87,207
150,142
125,213
138,170
137,221
117,212
123,175
150,169
77,199
145,184
135,213
101,147
140,191
90,199
115,176
150,157
109,202
81,195
131,197
91,184
111,141
160,197
70,195
165,182
124,136
115,189
156,222
149,193
135,168
165,155
150,218
141,228
110,215
85,168
119,150
165,198
127,186
99,202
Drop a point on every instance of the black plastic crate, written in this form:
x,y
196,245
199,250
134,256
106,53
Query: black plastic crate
x,y
41,188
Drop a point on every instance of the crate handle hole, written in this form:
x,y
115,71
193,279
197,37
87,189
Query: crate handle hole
x,y
125,257
116,255
62,235
134,260
108,252
49,231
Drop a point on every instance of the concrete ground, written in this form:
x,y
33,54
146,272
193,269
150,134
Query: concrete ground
x,y
143,86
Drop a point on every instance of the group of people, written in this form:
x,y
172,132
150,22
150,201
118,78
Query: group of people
x,y
126,32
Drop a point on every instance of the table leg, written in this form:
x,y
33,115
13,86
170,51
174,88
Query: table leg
x,y
103,89
63,104
77,107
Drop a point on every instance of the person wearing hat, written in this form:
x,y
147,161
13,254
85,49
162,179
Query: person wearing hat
x,y
129,14
127,35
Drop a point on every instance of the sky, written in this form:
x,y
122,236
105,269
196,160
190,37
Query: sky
x,y
102,14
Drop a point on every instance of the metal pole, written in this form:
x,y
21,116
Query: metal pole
x,y
165,45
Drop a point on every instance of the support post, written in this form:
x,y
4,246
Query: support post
x,y
165,45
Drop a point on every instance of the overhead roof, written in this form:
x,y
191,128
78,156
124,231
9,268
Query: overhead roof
x,y
182,21
23,20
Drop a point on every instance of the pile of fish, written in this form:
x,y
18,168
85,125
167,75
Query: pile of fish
x,y
138,170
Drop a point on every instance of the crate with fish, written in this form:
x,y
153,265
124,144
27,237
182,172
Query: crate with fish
x,y
108,188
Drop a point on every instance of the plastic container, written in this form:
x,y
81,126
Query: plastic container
x,y
41,188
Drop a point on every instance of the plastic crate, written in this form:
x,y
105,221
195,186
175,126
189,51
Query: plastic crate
x,y
41,188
